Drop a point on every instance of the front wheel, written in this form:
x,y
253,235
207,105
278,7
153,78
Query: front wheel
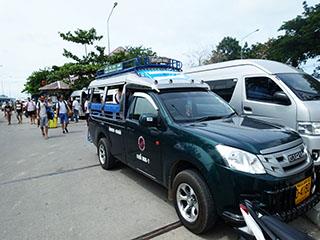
x,y
193,202
107,161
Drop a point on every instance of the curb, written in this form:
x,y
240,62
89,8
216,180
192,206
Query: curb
x,y
314,215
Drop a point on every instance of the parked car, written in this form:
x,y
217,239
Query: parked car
x,y
269,91
177,132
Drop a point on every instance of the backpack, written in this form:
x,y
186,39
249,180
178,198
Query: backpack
x,y
50,113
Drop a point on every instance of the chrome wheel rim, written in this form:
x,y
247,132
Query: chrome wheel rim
x,y
187,202
102,154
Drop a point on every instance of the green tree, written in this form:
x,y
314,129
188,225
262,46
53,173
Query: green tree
x,y
80,73
34,80
260,50
301,40
130,53
83,37
227,49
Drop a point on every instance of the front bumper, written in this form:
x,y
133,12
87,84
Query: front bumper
x,y
277,198
313,145
288,215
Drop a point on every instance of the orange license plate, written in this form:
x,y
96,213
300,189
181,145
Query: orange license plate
x,y
303,189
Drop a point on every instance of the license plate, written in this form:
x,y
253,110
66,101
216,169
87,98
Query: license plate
x,y
303,189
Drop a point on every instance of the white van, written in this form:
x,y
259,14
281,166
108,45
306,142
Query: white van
x,y
81,96
269,91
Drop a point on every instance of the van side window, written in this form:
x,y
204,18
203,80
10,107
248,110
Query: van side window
x,y
223,88
97,95
141,106
112,102
261,89
96,100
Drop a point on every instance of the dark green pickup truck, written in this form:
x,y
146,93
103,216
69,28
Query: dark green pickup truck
x,y
174,130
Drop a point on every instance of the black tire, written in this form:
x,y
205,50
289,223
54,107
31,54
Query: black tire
x,y
207,215
104,153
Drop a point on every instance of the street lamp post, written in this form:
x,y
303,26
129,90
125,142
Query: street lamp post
x,y
245,38
114,5
2,82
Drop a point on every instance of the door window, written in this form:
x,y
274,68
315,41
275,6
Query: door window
x,y
142,106
262,89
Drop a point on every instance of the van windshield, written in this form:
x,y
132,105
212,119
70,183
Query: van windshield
x,y
195,106
304,86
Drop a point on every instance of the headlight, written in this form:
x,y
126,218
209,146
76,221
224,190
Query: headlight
x,y
309,128
241,160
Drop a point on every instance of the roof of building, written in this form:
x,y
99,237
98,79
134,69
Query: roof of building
x,y
58,85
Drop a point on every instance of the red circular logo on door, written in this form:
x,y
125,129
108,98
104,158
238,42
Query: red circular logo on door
x,y
141,143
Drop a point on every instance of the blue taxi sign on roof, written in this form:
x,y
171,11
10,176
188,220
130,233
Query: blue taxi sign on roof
x,y
113,68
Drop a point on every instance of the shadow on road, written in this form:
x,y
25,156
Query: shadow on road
x,y
219,231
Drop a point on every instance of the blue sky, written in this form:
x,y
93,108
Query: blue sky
x,y
176,29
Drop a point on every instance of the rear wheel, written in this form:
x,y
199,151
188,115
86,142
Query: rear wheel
x,y
107,161
193,202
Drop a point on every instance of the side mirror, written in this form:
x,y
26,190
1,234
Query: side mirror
x,y
148,120
281,98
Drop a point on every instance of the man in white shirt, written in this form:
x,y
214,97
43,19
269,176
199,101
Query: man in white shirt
x,y
62,112
43,116
76,109
31,110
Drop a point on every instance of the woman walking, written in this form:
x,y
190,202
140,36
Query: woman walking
x,y
8,111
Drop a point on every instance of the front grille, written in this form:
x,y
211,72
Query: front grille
x,y
286,161
281,200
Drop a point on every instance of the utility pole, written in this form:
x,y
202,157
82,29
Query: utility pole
x,y
245,38
114,5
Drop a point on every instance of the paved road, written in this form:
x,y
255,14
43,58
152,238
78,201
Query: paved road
x,y
55,189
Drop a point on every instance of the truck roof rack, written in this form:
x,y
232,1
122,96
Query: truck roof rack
x,y
139,63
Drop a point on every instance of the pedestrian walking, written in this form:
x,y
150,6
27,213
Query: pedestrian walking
x,y
42,116
62,111
86,110
76,109
51,114
19,111
31,110
70,113
8,108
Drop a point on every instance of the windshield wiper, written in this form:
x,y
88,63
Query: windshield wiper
x,y
208,118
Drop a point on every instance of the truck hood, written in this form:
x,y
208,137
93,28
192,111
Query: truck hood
x,y
313,109
244,133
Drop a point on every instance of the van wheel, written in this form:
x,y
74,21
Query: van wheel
x,y
193,202
107,161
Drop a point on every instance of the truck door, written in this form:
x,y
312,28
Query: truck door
x,y
142,143
264,99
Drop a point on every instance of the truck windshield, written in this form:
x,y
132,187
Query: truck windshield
x,y
304,86
195,106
